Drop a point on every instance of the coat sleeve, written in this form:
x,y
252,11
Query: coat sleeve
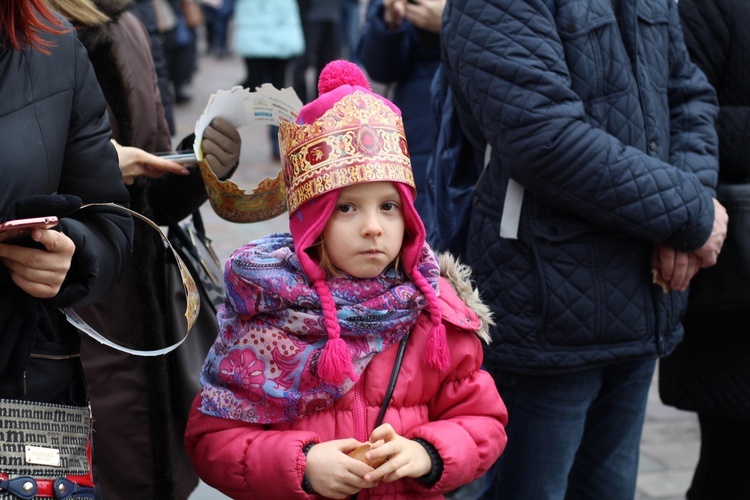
x,y
246,461
517,89
103,236
467,416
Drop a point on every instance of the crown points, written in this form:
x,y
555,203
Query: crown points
x,y
338,73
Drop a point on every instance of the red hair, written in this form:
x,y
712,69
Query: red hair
x,y
21,21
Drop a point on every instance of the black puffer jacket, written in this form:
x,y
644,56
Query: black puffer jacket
x,y
609,127
55,140
709,372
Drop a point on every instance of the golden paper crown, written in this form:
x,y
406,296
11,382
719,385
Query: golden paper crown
x,y
360,139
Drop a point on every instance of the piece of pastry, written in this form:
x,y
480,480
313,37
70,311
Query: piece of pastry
x,y
659,280
359,454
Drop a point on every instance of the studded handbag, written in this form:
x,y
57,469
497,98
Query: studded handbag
x,y
46,451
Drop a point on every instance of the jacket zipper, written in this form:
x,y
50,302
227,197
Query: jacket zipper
x,y
360,414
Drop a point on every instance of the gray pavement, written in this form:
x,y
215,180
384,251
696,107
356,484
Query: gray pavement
x,y
671,438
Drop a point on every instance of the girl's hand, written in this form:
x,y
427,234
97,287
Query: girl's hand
x,y
332,473
135,162
406,458
40,272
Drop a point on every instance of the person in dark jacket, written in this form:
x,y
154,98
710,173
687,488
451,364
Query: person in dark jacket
x,y
56,153
149,461
709,372
217,17
321,25
145,11
602,169
400,44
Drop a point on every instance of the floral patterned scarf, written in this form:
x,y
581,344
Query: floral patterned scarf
x,y
262,367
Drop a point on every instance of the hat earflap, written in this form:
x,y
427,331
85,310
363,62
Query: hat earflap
x,y
306,225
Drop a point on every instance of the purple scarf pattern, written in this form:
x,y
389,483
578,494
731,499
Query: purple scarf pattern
x,y
262,367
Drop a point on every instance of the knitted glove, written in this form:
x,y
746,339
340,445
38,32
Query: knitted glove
x,y
221,147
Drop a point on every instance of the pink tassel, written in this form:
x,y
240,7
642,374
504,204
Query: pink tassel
x,y
436,353
335,362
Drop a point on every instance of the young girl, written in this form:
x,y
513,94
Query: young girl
x,y
315,322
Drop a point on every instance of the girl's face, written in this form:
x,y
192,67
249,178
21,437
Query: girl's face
x,y
366,229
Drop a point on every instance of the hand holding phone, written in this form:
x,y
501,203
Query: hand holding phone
x,y
38,267
13,230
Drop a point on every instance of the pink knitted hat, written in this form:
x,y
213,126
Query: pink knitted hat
x,y
350,135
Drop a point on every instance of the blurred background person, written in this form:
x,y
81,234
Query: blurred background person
x,y
217,15
180,43
56,153
400,46
268,36
145,10
709,372
351,21
321,24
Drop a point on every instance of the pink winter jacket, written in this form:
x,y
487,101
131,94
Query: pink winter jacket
x,y
458,411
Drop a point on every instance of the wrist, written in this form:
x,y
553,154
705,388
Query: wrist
x,y
436,472
306,484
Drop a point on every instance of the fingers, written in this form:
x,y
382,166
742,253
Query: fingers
x,y
221,146
223,127
709,252
153,164
665,259
384,432
394,12
40,272
135,162
426,14
680,276
677,268
332,473
406,458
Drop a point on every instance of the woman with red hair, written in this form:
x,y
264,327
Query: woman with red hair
x,y
56,155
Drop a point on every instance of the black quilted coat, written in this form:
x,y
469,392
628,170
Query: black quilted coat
x,y
602,118
710,371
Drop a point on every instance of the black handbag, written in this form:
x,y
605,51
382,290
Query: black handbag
x,y
726,286
196,250
194,247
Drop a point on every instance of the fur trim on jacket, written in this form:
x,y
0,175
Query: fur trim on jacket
x,y
459,276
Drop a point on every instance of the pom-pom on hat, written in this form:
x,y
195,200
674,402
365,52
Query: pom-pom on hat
x,y
350,135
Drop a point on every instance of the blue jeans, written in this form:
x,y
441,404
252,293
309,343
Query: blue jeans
x,y
572,435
